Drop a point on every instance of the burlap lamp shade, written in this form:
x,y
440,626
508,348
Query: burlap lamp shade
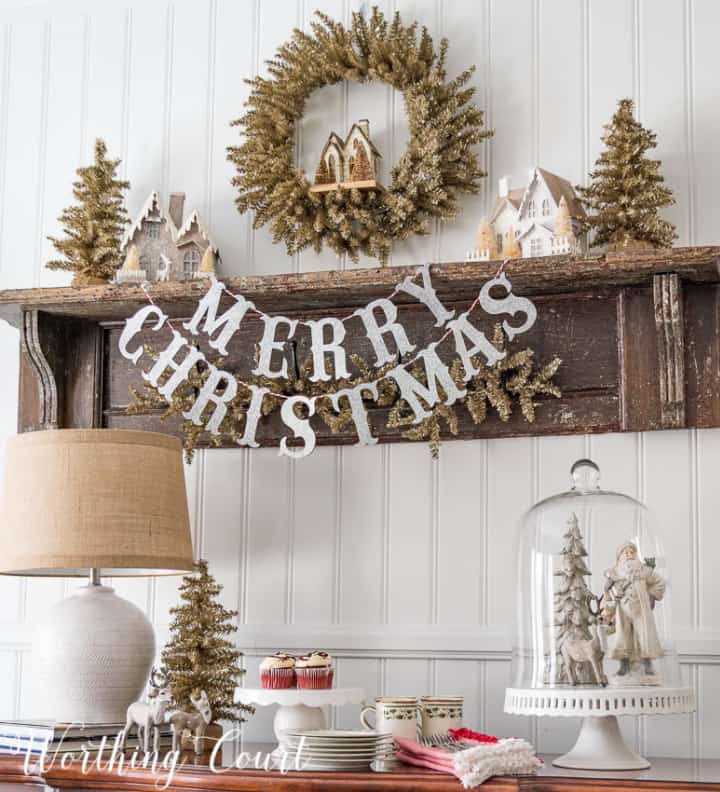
x,y
77,499
93,502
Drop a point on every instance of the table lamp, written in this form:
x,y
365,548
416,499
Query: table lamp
x,y
92,503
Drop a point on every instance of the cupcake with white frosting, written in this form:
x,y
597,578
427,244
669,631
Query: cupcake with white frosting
x,y
314,671
277,672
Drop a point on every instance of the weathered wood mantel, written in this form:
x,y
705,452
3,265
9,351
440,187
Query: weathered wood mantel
x,y
639,335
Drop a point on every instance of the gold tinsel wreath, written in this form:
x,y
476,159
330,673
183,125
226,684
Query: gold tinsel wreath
x,y
438,164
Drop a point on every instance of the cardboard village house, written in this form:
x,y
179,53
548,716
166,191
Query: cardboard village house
x,y
160,245
542,219
350,163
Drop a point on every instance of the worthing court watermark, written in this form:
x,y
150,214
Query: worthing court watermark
x,y
106,755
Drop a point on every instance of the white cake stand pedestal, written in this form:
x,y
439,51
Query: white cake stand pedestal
x,y
600,745
298,709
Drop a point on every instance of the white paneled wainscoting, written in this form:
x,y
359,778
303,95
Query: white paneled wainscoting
x,y
401,567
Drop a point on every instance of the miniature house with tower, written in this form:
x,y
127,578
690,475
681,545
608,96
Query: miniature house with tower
x,y
350,163
160,245
543,219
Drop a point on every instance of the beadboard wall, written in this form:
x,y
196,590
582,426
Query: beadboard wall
x,y
400,566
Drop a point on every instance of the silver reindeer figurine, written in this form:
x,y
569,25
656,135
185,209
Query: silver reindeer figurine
x,y
195,722
148,715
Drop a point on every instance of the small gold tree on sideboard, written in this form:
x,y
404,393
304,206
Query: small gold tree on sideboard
x,y
200,654
347,164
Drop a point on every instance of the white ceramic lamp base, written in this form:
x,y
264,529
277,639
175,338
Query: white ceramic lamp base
x,y
298,709
91,655
600,746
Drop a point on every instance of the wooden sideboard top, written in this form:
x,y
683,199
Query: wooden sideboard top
x,y
665,774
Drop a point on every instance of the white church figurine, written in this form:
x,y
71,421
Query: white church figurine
x,y
542,219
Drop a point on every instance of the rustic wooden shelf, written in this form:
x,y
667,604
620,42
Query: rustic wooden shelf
x,y
639,335
307,293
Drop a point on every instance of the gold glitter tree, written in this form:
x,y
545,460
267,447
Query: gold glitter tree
x,y
94,226
511,246
563,221
199,655
486,240
627,188
361,170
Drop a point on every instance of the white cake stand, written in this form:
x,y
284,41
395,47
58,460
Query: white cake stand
x,y
298,709
600,745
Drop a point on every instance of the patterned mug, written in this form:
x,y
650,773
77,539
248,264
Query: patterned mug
x,y
396,716
440,713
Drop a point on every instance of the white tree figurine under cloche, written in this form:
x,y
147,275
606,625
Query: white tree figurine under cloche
x,y
542,219
572,600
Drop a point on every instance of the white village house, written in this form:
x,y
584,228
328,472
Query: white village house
x,y
160,245
542,219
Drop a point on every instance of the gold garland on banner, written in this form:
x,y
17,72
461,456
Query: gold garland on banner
x,y
438,164
513,378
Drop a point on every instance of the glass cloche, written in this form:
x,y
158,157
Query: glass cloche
x,y
593,593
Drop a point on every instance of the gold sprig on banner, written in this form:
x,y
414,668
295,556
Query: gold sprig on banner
x,y
514,379
341,419
439,164
149,399
429,428
297,384
231,428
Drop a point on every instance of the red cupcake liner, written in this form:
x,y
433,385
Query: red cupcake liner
x,y
315,678
277,678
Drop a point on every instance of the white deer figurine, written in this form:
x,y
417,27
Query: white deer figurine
x,y
591,650
148,715
163,270
195,722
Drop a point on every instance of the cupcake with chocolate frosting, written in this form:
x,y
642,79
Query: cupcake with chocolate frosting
x,y
314,671
277,672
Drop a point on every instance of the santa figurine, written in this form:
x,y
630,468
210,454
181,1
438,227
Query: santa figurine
x,y
635,587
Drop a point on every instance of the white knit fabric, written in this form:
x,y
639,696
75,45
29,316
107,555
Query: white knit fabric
x,y
510,756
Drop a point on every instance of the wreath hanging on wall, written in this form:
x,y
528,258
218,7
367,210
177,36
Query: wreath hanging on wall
x,y
438,165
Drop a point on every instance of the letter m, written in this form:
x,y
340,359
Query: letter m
x,y
224,325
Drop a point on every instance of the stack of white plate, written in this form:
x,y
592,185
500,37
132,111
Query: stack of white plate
x,y
331,749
